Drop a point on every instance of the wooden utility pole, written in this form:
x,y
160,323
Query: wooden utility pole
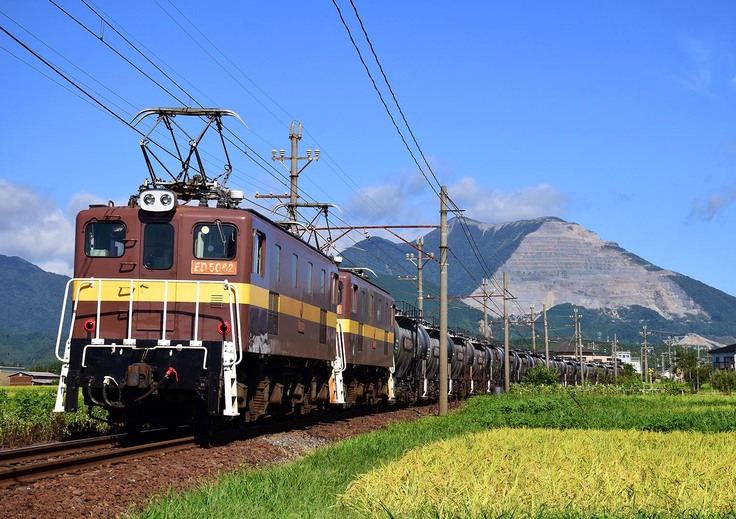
x,y
443,301
546,336
506,374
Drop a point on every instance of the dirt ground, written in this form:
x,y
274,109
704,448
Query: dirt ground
x,y
109,491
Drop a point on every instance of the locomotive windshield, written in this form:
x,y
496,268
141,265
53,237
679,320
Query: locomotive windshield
x,y
215,241
104,239
158,246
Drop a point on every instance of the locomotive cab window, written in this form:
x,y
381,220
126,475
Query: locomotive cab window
x,y
259,252
104,239
158,246
215,241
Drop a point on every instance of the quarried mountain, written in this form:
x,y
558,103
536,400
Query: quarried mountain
x,y
561,264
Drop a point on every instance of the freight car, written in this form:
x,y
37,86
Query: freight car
x,y
186,308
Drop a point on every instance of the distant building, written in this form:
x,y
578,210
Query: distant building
x,y
723,358
27,378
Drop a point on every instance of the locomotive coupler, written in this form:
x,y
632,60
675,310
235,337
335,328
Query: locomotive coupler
x,y
139,375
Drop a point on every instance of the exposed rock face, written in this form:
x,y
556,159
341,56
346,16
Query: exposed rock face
x,y
562,262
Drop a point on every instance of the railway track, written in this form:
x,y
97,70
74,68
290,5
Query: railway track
x,y
29,464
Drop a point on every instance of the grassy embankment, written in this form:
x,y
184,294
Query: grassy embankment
x,y
564,454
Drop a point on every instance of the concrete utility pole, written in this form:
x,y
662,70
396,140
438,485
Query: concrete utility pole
x,y
614,357
295,134
506,374
419,262
534,336
486,331
546,336
577,337
669,342
443,301
644,333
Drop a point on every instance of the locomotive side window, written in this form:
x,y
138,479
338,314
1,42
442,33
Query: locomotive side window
x,y
310,268
339,292
215,241
259,251
104,239
335,295
322,282
295,271
158,246
354,308
277,262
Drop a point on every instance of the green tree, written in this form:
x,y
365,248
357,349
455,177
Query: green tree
x,y
541,375
723,381
695,372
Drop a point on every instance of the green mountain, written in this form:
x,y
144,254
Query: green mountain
x,y
29,318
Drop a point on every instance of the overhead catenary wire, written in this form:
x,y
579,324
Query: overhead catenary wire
x,y
255,157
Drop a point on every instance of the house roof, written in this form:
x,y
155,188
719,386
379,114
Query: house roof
x,y
35,374
731,348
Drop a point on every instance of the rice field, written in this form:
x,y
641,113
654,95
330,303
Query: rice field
x,y
542,473
567,453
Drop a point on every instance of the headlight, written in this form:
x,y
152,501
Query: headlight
x,y
157,200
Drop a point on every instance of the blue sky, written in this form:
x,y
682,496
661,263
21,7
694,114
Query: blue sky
x,y
617,115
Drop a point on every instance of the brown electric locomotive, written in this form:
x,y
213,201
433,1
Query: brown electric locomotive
x,y
185,308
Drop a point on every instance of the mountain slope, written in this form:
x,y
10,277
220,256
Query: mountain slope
x,y
30,303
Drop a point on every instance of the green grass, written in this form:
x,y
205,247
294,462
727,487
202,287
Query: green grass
x,y
27,418
310,487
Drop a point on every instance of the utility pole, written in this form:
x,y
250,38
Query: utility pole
x,y
578,342
419,262
534,336
669,341
546,337
295,134
486,331
614,357
506,374
644,333
443,301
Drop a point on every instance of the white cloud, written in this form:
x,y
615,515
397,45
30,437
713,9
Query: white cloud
x,y
494,205
710,206
410,201
698,77
402,202
35,229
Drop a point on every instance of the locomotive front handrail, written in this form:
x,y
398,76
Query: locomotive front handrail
x,y
82,283
91,282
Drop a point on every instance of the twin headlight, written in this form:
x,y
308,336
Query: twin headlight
x,y
157,200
